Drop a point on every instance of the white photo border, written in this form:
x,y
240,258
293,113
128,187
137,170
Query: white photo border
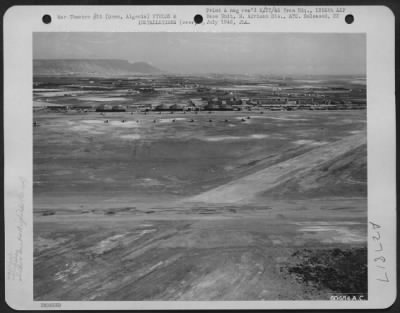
x,y
377,22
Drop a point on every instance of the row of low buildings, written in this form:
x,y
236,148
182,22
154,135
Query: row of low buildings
x,y
229,102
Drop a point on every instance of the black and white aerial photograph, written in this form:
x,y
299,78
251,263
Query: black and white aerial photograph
x,y
184,166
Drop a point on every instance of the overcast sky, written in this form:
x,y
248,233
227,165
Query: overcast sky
x,y
243,53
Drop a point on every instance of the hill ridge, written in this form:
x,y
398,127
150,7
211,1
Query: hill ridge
x,y
91,66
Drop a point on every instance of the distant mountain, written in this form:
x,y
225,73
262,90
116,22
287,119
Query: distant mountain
x,y
91,67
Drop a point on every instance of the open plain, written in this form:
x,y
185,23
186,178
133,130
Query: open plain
x,y
212,166
200,206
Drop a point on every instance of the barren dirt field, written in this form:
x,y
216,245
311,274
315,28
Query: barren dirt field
x,y
221,206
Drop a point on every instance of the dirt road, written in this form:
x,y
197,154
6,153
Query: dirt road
x,y
246,188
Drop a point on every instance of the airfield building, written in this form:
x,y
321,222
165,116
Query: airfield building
x,y
110,108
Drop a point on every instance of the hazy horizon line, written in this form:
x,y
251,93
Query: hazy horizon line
x,y
163,71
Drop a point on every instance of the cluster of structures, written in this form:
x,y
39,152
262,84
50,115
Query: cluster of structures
x,y
230,102
198,94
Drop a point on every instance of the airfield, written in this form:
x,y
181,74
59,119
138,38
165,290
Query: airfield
x,y
200,206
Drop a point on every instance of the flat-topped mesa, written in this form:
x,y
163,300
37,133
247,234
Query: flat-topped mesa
x,y
91,66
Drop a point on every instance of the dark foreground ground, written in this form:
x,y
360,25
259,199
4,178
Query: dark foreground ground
x,y
270,208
